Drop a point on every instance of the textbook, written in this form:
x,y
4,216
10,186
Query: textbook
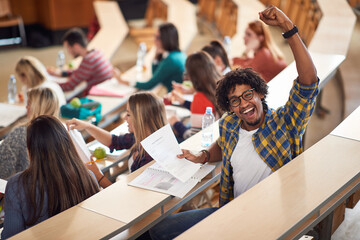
x,y
80,145
157,179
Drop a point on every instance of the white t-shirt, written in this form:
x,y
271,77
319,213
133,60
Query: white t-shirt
x,y
248,168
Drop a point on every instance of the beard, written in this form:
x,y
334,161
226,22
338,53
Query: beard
x,y
255,122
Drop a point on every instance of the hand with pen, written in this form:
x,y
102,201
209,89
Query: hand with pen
x,y
99,134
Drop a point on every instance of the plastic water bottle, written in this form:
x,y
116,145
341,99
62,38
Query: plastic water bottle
x,y
227,45
140,57
12,90
207,130
60,60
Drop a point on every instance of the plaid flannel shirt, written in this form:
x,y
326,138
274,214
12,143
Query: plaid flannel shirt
x,y
278,140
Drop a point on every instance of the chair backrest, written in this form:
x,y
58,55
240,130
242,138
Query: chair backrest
x,y
5,9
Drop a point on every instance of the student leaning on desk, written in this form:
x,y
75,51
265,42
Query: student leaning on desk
x,y
254,139
94,67
55,180
169,62
145,115
203,74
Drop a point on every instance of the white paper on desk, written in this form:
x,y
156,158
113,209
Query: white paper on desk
x,y
80,145
9,113
2,185
163,147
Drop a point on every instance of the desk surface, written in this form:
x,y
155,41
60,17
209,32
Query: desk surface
x,y
293,194
349,128
74,223
333,34
279,87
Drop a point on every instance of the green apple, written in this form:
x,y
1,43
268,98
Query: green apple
x,y
99,153
187,84
75,102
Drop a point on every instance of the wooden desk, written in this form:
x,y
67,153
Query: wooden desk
x,y
280,86
349,128
74,223
123,204
334,31
287,199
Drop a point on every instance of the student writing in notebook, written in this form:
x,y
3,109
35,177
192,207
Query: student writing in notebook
x,y
145,115
93,69
55,180
13,153
254,140
203,73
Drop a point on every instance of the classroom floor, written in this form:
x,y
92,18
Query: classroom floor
x,y
318,127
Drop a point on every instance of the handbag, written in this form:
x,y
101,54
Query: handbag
x,y
88,108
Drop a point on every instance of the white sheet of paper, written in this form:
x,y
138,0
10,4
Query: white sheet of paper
x,y
80,145
163,147
9,113
2,185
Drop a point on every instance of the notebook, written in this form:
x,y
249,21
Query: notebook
x,y
157,179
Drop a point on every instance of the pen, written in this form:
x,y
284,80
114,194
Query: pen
x,y
95,161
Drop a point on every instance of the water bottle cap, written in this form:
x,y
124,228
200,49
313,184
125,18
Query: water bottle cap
x,y
227,39
142,46
208,109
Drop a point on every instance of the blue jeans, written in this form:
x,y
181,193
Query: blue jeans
x,y
173,225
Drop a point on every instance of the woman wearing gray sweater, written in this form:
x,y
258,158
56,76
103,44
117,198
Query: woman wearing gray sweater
x,y
13,153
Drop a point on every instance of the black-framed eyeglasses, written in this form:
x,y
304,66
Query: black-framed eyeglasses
x,y
247,96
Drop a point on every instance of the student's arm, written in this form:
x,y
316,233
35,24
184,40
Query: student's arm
x,y
100,178
99,134
201,157
304,64
162,74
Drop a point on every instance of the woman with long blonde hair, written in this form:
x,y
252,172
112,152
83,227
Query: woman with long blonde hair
x,y
55,180
261,54
32,73
145,113
13,155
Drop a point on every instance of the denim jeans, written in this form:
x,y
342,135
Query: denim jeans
x,y
173,225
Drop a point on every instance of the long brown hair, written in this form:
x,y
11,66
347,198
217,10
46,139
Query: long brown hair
x,y
148,116
204,75
216,48
55,170
262,30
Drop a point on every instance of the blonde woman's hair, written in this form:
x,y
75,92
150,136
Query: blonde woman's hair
x,y
262,30
42,101
32,69
148,116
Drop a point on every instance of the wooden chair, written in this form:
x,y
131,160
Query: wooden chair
x,y
7,19
155,9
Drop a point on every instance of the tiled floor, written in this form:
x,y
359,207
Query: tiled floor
x,y
317,129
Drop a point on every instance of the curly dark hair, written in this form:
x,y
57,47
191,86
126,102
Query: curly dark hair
x,y
239,76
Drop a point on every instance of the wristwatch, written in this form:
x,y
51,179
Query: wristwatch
x,y
290,33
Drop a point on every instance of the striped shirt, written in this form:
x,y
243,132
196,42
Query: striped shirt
x,y
277,141
94,69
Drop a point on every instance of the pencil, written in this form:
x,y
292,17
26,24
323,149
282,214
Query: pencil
x,y
95,161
